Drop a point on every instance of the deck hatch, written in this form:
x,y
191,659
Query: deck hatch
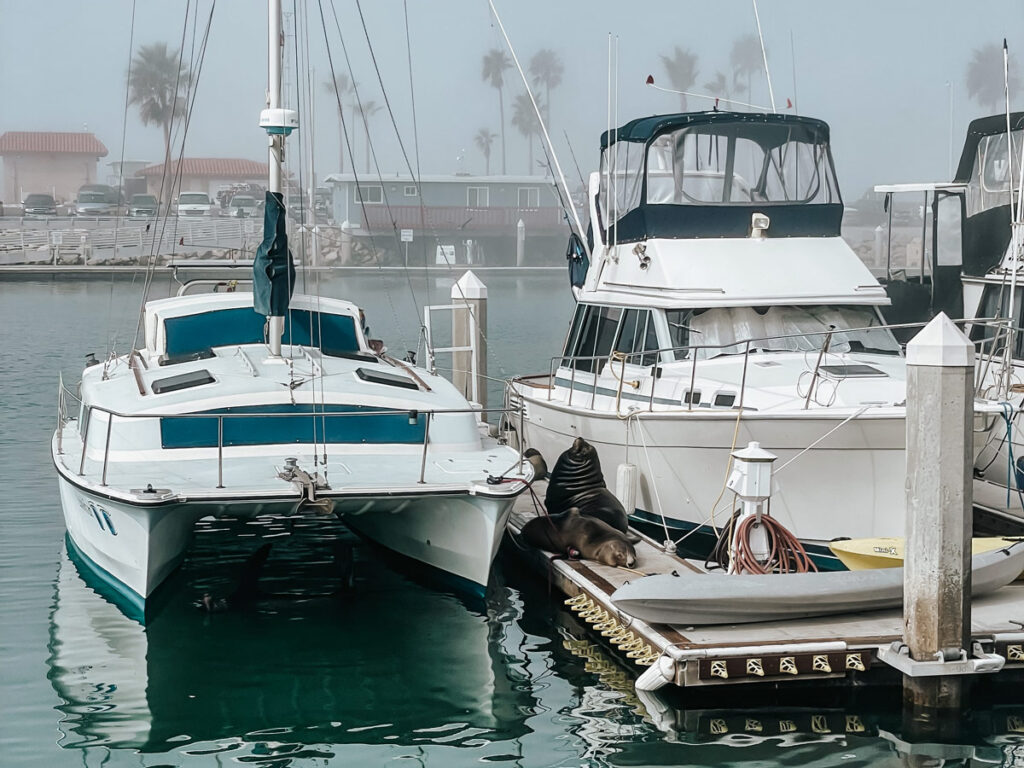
x,y
181,381
383,377
853,370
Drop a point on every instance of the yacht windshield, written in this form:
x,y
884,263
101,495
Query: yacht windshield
x,y
725,330
194,199
739,164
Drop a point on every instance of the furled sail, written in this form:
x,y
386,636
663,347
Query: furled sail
x,y
273,272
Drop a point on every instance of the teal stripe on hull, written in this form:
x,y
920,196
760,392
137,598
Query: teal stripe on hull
x,y
105,584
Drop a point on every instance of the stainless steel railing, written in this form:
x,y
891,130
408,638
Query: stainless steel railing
x,y
590,365
91,410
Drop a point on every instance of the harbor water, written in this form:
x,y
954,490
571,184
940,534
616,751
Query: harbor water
x,y
389,671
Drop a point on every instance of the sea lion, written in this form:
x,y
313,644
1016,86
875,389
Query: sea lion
x,y
577,481
540,467
570,531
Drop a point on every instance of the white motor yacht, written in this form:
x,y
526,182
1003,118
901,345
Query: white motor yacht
x,y
719,305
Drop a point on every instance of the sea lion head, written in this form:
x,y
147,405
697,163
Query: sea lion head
x,y
616,552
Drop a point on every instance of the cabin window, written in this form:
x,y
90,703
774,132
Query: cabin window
x,y
370,193
638,337
529,197
622,166
409,190
597,334
994,302
989,180
477,197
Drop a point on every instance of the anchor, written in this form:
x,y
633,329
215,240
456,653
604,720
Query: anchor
x,y
307,485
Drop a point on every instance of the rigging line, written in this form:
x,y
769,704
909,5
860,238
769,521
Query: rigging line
x,y
574,162
416,147
158,236
348,142
112,330
764,56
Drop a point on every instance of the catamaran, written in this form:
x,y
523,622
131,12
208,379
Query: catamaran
x,y
259,403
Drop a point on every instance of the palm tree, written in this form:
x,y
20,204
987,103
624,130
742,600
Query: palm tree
x,y
985,77
681,68
367,109
338,89
484,139
158,86
746,59
495,62
718,86
546,69
524,118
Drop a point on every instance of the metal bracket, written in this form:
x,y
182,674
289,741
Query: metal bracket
x,y
897,656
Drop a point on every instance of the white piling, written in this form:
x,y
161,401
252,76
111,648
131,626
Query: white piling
x,y
520,243
469,328
937,573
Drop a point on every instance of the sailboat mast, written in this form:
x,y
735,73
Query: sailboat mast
x,y
274,59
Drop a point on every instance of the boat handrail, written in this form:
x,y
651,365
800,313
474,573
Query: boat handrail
x,y
691,353
412,413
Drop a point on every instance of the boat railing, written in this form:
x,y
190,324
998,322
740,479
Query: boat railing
x,y
413,415
988,348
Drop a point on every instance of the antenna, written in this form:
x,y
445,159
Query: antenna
x,y
764,55
543,127
1015,226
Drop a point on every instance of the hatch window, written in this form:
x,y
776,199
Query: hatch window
x,y
181,381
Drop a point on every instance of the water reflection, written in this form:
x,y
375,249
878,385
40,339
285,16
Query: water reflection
x,y
394,670
390,662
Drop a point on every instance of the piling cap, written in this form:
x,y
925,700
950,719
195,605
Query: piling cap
x,y
941,343
754,453
469,287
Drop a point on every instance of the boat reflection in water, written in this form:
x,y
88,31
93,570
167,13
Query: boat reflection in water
x,y
388,662
392,669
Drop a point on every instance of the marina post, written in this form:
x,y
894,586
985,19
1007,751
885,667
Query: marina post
x,y
937,575
469,329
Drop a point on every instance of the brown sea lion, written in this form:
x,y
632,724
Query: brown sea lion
x,y
540,467
577,481
594,539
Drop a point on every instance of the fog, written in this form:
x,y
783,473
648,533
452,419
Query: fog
x,y
881,73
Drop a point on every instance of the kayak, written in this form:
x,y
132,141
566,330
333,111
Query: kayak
x,y
688,598
864,554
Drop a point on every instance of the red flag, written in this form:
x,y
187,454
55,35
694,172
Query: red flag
x,y
789,104
182,240
650,79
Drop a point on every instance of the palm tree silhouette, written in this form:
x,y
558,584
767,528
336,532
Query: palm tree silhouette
x,y
495,62
484,139
339,88
367,109
681,68
985,77
746,59
546,69
718,86
158,86
524,118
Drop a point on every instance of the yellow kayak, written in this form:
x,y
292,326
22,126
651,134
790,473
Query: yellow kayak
x,y
866,554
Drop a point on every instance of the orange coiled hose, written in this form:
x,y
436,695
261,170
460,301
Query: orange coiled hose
x,y
785,552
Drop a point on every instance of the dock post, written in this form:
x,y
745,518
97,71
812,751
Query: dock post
x,y
520,243
469,328
937,574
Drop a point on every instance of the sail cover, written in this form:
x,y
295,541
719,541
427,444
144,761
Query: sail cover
x,y
273,273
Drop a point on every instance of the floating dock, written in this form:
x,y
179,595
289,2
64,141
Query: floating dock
x,y
843,648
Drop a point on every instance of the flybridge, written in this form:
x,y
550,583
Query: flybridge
x,y
706,174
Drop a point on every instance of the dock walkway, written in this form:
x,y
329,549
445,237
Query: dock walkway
x,y
839,648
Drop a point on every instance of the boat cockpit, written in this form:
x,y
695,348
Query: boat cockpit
x,y
704,174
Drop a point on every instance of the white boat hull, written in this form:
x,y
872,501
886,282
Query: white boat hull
x,y
850,484
137,547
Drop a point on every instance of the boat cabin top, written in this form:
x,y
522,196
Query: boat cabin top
x,y
705,174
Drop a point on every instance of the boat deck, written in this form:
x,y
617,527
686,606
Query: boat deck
x,y
840,648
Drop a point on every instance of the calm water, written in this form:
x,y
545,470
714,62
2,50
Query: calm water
x,y
389,672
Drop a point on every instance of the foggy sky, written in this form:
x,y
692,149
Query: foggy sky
x,y
876,70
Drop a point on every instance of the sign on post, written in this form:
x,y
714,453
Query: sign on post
x,y
406,235
445,254
56,237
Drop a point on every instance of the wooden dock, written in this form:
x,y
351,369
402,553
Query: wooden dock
x,y
840,648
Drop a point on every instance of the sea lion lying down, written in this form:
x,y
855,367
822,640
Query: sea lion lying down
x,y
577,481
570,531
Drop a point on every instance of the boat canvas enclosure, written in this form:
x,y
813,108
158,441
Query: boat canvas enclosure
x,y
705,174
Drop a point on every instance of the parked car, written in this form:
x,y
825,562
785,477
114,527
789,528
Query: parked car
x,y
39,205
94,203
143,205
194,204
242,206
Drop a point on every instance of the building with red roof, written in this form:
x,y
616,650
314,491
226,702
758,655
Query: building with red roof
x,y
206,174
57,163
